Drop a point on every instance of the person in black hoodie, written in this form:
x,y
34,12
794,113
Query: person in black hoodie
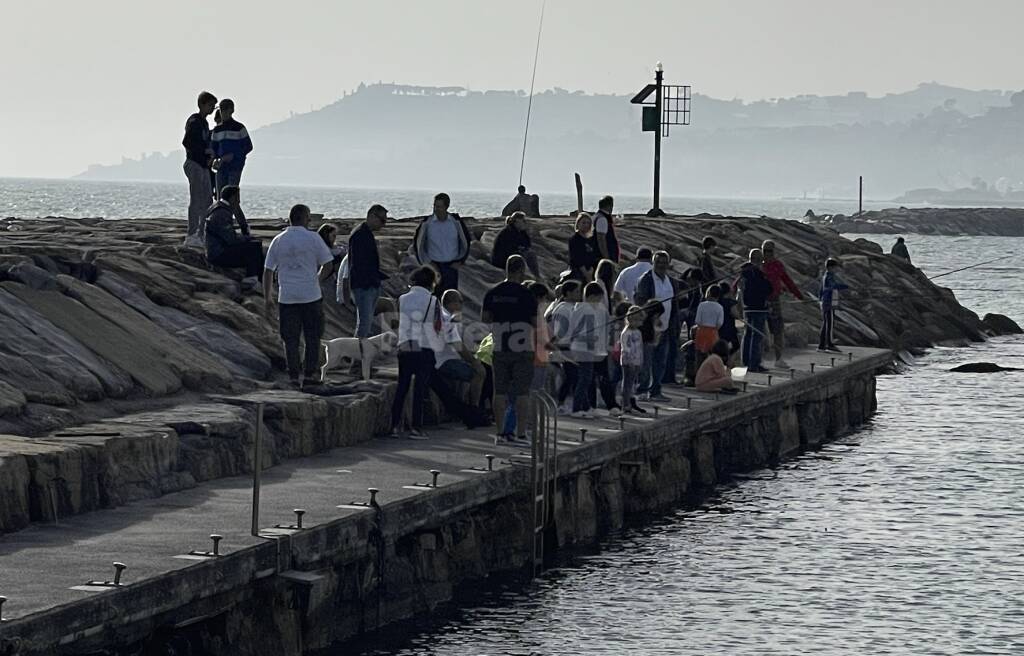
x,y
227,248
198,156
513,239
364,272
756,289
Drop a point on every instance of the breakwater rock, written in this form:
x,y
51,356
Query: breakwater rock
x,y
130,367
988,221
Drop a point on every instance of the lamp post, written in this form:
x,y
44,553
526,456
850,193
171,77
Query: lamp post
x,y
659,77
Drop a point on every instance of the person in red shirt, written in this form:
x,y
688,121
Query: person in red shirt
x,y
775,271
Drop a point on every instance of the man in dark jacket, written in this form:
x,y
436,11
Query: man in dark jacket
x,y
528,204
756,289
442,241
225,247
604,230
513,239
364,272
231,143
198,155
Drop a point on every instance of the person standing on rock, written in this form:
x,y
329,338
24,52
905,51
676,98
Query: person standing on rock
x,y
775,271
299,257
899,249
513,239
708,275
583,253
442,241
198,157
756,290
364,274
231,144
831,284
227,248
604,230
628,278
511,309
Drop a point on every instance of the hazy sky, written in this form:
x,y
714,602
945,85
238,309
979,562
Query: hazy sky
x,y
88,82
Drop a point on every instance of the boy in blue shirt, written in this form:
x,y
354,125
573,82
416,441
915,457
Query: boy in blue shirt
x,y
831,284
231,143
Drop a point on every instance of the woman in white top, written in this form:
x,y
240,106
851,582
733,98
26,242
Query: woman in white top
x,y
419,325
709,318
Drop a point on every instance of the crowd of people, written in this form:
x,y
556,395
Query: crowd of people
x,y
598,331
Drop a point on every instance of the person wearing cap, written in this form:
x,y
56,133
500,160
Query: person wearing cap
x,y
231,144
198,156
364,274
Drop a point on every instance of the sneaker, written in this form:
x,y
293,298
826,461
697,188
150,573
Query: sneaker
x,y
644,396
781,364
833,349
582,414
636,408
520,440
758,370
502,438
822,349
564,411
194,241
615,412
659,398
417,434
395,434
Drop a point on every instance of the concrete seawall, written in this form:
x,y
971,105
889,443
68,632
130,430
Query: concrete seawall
x,y
351,570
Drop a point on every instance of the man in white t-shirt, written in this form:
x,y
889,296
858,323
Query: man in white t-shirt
x,y
298,256
630,276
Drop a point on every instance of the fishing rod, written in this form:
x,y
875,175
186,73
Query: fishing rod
x,y
1003,257
533,79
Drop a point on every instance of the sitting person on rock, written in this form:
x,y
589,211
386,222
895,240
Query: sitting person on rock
x,y
714,375
899,249
225,247
528,204
513,239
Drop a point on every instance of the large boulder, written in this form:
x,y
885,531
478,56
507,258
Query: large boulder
x,y
1001,324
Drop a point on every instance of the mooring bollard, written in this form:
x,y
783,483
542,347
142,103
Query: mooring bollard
x,y
689,402
812,367
299,512
434,473
792,374
833,362
769,380
622,423
2,600
744,386
373,495
716,396
583,435
118,569
490,462
656,409
850,356
216,543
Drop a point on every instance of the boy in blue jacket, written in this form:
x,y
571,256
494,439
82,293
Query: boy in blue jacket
x,y
829,299
231,143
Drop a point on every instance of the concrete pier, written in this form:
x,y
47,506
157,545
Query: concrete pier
x,y
352,569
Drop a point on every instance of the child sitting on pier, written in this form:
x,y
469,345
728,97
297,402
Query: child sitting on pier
x,y
829,298
709,318
631,357
714,375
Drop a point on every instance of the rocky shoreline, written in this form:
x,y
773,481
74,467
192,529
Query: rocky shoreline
x,y
131,367
978,221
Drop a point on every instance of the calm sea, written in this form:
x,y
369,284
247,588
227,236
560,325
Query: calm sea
x,y
31,198
905,537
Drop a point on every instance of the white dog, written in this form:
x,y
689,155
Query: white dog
x,y
365,350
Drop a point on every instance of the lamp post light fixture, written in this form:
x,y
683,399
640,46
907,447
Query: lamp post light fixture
x,y
670,106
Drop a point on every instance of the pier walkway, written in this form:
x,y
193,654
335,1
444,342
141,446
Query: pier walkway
x,y
41,566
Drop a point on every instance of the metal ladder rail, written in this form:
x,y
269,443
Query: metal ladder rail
x,y
543,452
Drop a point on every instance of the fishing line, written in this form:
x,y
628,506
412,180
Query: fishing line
x,y
533,79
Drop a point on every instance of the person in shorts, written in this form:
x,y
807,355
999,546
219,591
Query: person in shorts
x,y
511,309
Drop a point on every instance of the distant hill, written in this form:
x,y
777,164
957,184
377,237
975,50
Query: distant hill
x,y
403,136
